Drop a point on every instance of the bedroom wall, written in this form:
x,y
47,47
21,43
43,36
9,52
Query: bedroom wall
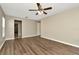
x,y
38,28
29,27
1,39
63,26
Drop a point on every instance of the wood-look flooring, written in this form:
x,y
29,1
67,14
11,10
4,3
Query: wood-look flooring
x,y
36,46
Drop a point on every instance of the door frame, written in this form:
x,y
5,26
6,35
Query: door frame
x,y
18,21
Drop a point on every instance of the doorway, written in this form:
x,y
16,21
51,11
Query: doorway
x,y
17,29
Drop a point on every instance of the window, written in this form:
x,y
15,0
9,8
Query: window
x,y
3,27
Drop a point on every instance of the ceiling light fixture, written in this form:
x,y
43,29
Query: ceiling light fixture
x,y
40,12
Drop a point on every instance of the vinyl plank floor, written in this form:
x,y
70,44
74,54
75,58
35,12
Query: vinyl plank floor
x,y
37,46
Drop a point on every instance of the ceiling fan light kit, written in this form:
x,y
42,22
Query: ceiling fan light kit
x,y
40,12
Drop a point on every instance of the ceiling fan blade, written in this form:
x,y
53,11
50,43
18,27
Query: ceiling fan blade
x,y
39,6
44,12
32,10
47,8
36,13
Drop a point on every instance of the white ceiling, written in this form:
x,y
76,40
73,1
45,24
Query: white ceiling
x,y
21,9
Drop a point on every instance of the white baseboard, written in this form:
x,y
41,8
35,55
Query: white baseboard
x,y
22,37
9,39
2,44
29,36
61,41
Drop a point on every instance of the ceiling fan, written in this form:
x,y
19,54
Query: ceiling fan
x,y
40,10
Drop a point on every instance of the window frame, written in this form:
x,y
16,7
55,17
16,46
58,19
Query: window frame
x,y
3,27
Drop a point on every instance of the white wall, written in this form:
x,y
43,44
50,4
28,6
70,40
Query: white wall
x,y
29,27
38,28
1,15
9,27
62,27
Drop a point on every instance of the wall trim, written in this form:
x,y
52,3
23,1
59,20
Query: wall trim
x,y
61,41
29,36
22,37
2,44
9,39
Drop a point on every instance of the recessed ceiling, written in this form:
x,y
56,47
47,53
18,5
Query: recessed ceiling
x,y
22,9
